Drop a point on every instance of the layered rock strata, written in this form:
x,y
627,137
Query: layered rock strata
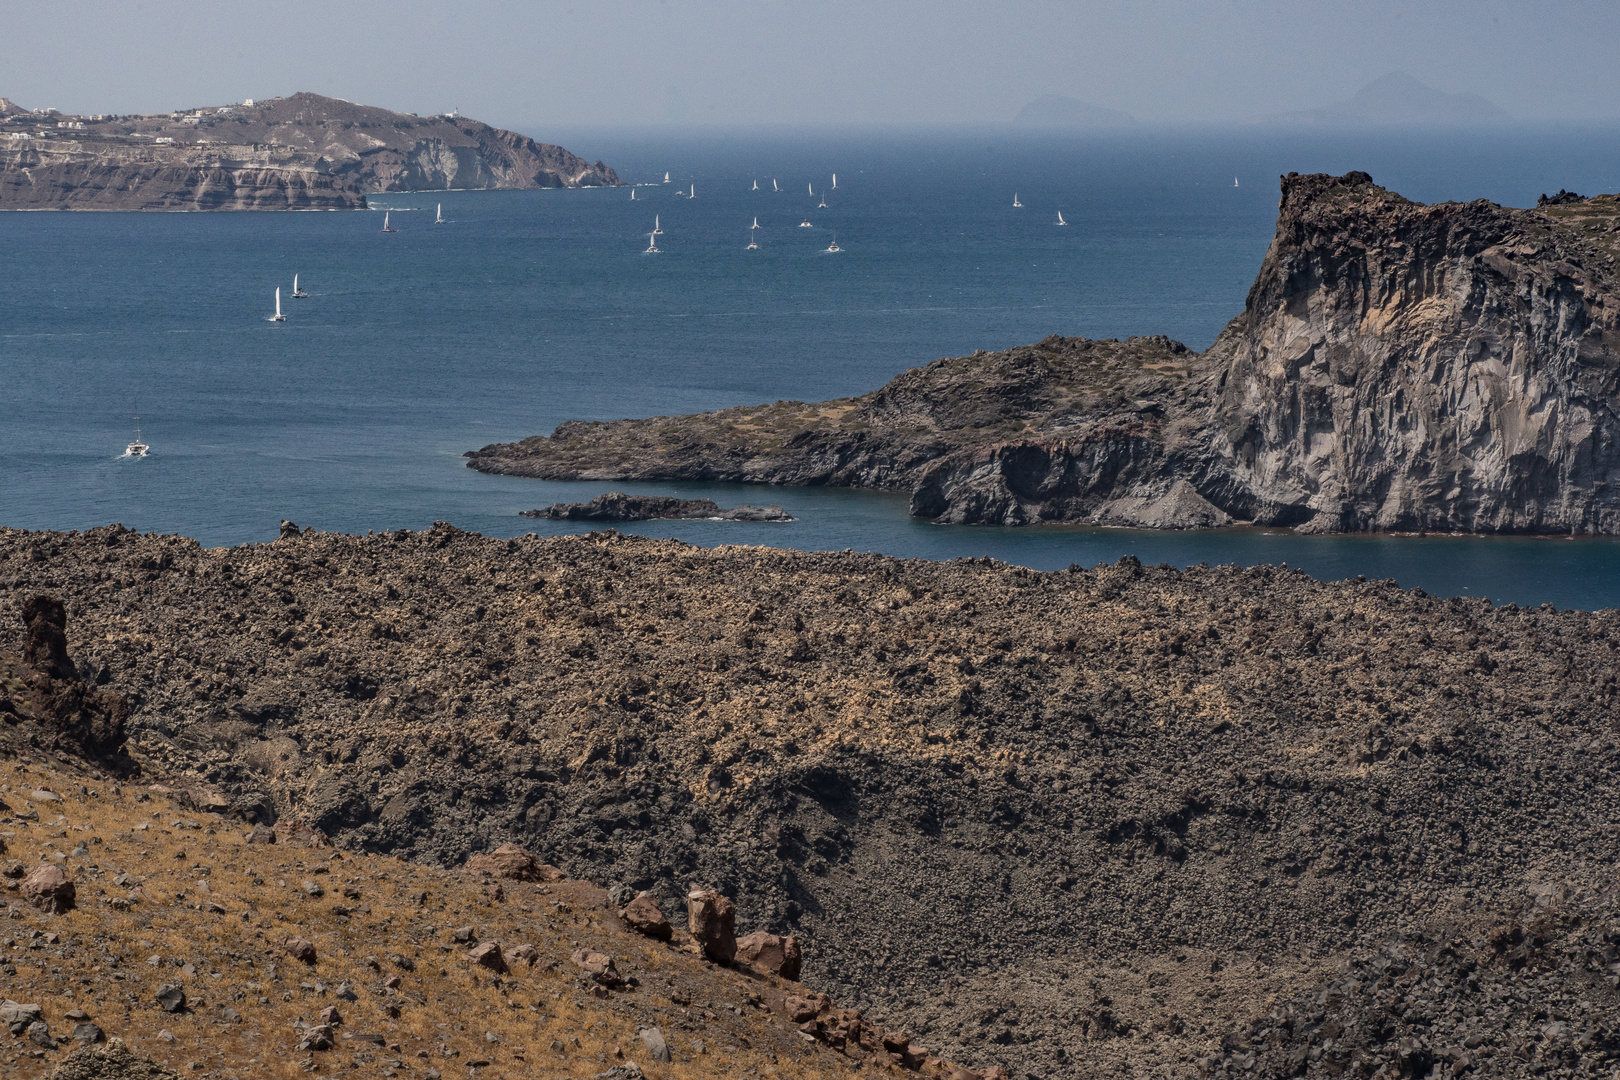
x,y
1397,367
304,152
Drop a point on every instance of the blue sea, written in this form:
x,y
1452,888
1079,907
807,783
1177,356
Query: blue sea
x,y
527,308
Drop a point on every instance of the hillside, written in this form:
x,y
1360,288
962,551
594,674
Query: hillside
x,y
1121,819
1397,367
301,152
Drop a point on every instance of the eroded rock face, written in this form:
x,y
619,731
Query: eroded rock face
x,y
84,719
1396,367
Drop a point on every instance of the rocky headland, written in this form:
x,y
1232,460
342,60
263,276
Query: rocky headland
x,y
1397,367
304,152
617,506
1122,820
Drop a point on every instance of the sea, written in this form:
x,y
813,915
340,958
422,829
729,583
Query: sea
x,y
528,308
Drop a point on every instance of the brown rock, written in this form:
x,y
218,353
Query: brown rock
x,y
300,948
712,919
49,889
488,955
646,916
777,955
45,649
522,954
597,965
260,834
508,861
330,1016
995,1072
802,1010
298,834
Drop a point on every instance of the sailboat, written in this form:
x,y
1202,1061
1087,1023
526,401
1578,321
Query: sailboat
x,y
805,224
756,185
658,230
812,188
773,185
756,223
693,193
387,227
753,245
438,216
137,448
632,194
823,205
1060,218
1234,181
278,316
1016,203
666,178
835,181
297,293
652,244
833,247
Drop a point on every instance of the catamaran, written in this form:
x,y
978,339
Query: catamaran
x,y
278,316
658,230
438,215
136,448
755,225
652,244
387,227
823,205
1016,203
753,245
1060,218
666,178
1234,181
805,224
297,293
833,247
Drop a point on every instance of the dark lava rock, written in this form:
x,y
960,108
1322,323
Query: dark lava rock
x,y
617,506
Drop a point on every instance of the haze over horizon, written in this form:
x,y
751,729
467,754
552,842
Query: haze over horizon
x,y
531,66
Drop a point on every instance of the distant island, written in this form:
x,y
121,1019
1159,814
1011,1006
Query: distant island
x,y
1399,99
304,152
1397,368
1055,110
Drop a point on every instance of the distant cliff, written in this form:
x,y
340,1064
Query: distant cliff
x,y
300,152
1397,367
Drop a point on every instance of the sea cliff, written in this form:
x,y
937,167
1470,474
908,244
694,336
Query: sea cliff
x,y
1397,366
302,152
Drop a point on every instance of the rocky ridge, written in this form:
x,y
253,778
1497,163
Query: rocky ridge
x,y
617,506
301,152
1123,818
1397,367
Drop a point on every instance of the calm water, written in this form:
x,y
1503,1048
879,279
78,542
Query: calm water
x,y
530,308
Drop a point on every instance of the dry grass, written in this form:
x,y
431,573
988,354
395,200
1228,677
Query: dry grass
x,y
246,994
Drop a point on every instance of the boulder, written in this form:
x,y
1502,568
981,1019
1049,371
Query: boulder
x,y
777,955
49,889
488,955
522,954
509,861
644,915
88,1033
599,966
171,997
300,948
330,1016
712,920
17,1016
653,1040
260,834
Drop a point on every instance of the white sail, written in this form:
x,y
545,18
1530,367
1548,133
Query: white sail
x,y
438,215
632,194
1234,181
652,244
835,181
812,188
756,185
756,223
1060,218
1015,199
773,185
278,316
693,193
295,284
666,178
657,228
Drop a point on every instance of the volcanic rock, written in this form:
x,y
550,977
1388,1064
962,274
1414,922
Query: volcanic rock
x,y
488,955
171,997
644,914
617,506
48,888
508,861
300,949
778,955
114,1061
712,920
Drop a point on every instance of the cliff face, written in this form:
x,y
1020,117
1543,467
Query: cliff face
x,y
301,152
1447,367
1396,367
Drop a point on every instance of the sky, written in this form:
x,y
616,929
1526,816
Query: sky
x,y
529,64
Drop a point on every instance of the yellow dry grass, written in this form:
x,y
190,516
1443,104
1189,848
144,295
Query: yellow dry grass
x,y
246,994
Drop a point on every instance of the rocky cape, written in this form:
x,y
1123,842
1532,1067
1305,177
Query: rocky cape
x,y
1099,821
304,152
617,506
1397,367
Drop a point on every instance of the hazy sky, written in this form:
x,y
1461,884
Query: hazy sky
x,y
530,64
